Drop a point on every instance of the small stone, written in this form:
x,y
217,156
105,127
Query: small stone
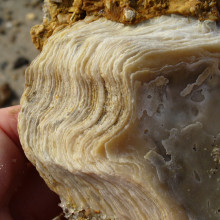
x,y
17,23
63,18
4,65
2,31
8,24
8,16
30,16
129,15
13,38
5,93
21,61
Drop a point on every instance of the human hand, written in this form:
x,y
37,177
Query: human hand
x,y
23,194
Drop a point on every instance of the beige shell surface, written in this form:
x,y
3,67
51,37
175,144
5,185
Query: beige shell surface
x,y
123,121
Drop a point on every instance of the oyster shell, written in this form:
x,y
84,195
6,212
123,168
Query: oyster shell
x,y
122,122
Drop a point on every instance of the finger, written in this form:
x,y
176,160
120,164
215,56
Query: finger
x,y
4,214
8,122
34,200
12,167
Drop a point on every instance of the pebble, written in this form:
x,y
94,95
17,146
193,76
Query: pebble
x,y
8,24
20,61
30,16
2,31
5,93
8,15
13,38
4,65
17,23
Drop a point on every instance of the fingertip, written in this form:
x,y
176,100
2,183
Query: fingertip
x,y
9,121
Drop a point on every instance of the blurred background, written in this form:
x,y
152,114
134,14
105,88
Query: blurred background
x,y
16,48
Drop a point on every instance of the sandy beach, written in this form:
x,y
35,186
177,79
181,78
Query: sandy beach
x,y
16,47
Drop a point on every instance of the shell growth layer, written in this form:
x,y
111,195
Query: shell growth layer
x,y
123,122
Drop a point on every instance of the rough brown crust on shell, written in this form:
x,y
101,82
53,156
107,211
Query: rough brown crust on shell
x,y
61,13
